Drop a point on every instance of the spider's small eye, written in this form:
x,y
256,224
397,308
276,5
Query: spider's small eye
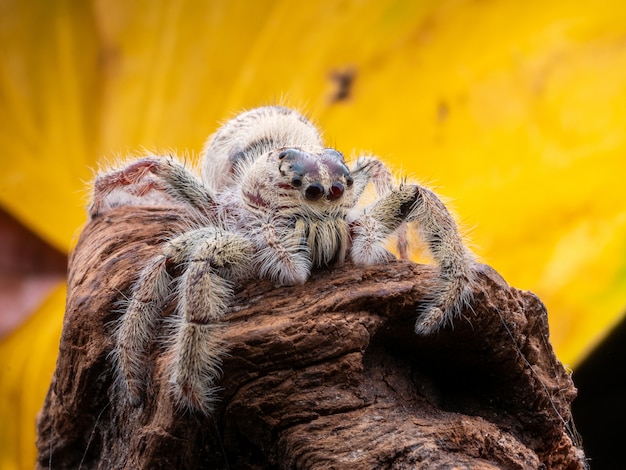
x,y
334,154
314,192
296,182
292,153
349,181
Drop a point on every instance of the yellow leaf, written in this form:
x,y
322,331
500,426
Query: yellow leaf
x,y
27,360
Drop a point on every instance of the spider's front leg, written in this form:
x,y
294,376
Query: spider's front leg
x,y
375,224
408,203
371,169
211,258
456,262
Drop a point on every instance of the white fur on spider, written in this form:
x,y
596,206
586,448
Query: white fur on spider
x,y
250,134
275,203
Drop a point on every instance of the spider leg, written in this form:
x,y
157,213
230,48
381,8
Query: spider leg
x,y
370,169
211,258
183,185
437,228
377,222
138,179
439,231
138,326
114,187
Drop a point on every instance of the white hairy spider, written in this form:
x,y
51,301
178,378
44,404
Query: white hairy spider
x,y
276,203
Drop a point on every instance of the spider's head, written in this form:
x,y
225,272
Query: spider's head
x,y
293,179
322,177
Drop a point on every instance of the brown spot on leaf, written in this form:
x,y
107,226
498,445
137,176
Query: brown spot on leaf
x,y
343,82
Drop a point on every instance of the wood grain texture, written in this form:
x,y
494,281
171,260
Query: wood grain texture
x,y
324,375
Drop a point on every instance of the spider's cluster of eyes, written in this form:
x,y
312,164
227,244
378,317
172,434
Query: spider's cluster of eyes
x,y
302,164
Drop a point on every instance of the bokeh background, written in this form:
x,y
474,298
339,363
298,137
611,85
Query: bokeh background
x,y
514,110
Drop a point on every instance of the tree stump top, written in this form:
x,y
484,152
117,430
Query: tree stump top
x,y
324,375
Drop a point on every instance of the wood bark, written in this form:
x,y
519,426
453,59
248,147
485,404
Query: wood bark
x,y
324,375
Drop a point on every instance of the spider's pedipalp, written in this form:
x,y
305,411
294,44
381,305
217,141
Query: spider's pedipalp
x,y
283,258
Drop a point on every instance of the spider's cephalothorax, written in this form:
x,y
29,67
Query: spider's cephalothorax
x,y
275,203
292,203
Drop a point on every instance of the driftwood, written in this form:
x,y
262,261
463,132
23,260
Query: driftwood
x,y
324,375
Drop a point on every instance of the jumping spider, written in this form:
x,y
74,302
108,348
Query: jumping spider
x,y
276,203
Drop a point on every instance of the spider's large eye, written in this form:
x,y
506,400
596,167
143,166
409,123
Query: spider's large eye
x,y
314,192
335,191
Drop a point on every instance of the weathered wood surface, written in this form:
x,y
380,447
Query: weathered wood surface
x,y
324,375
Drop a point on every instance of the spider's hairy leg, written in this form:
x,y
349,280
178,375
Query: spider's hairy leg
x,y
211,258
138,326
133,179
164,174
439,231
371,229
182,184
370,169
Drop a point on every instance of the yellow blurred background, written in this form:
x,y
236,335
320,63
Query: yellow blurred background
x,y
513,110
